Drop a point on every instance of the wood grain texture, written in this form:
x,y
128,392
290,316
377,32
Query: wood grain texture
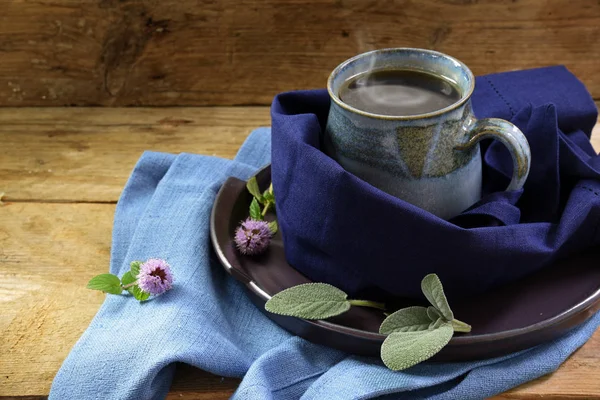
x,y
48,251
86,155
193,383
75,154
573,380
232,52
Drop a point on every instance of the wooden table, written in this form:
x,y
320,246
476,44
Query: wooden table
x,y
62,170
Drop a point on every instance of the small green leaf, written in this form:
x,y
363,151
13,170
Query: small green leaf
x,y
127,278
439,322
434,291
108,283
402,350
309,301
269,197
255,212
460,326
433,313
406,320
135,268
252,186
273,227
139,294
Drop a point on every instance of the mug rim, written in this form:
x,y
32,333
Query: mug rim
x,y
463,99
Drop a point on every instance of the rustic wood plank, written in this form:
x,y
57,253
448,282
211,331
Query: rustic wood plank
x,y
186,385
226,52
577,378
86,155
47,254
75,154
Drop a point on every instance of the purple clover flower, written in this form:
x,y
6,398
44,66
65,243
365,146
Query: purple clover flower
x,y
252,237
155,276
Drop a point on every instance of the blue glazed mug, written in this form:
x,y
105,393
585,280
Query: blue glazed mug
x,y
431,160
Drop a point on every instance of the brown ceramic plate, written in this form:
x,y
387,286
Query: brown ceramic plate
x,y
511,318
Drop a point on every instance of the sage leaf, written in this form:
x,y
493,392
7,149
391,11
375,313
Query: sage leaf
x,y
432,289
252,186
108,283
436,324
433,313
406,320
139,294
460,326
309,301
273,227
255,212
135,268
402,350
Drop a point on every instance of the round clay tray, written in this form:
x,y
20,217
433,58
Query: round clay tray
x,y
508,319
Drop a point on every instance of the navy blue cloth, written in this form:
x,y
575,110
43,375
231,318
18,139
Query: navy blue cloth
x,y
341,230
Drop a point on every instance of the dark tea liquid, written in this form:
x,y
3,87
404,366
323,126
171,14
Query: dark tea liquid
x,y
398,92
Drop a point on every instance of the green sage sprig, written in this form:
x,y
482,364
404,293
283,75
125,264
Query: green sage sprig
x,y
414,334
314,301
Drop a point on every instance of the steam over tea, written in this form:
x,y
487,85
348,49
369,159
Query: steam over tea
x,y
398,92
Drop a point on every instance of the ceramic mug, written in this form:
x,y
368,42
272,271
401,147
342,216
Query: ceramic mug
x,y
430,160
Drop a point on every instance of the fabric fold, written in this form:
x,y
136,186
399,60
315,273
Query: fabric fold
x,y
512,234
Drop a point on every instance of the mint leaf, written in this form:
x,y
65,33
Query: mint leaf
x,y
402,350
127,278
108,283
309,301
255,210
139,294
273,227
135,268
269,197
433,313
406,320
252,186
432,289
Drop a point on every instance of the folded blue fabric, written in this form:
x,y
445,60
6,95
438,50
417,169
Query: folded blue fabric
x,y
375,246
130,349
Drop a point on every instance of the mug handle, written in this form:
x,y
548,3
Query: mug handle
x,y
509,135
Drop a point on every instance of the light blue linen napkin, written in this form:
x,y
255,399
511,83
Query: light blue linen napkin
x,y
130,349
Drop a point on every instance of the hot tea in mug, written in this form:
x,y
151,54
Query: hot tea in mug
x,y
401,120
